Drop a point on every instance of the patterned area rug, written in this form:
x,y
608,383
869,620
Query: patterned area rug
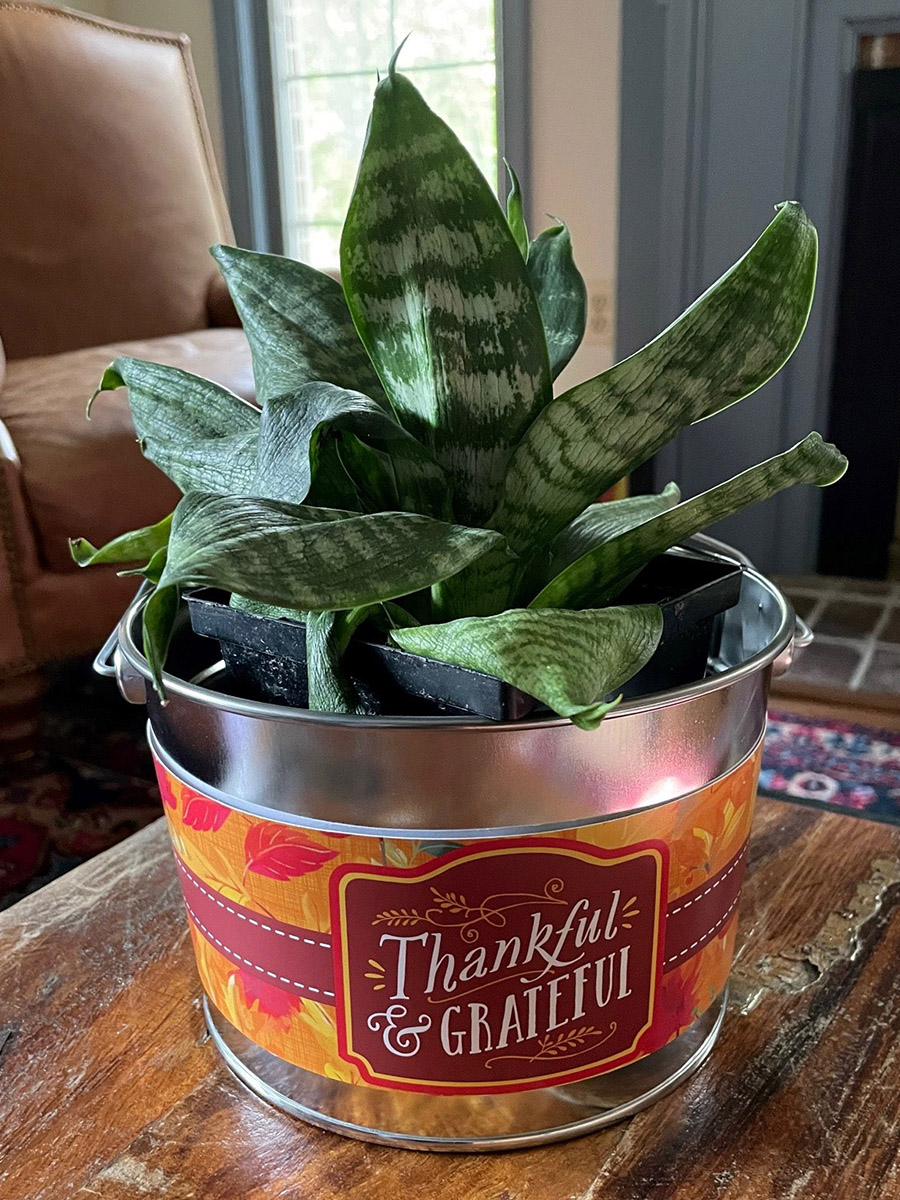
x,y
92,785
833,765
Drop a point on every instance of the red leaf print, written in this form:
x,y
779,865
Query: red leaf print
x,y
166,790
205,815
270,1000
280,852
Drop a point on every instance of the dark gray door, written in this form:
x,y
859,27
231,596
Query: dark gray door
x,y
742,105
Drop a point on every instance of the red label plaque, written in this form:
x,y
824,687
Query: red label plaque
x,y
510,966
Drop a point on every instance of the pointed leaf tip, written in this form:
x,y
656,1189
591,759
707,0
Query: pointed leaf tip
x,y
392,65
515,211
109,381
598,575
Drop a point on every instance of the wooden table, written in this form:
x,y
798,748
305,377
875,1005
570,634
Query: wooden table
x,y
112,1090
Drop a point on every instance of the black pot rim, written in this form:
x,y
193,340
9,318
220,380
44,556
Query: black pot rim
x,y
197,690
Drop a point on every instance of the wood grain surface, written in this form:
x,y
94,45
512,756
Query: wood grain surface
x,y
109,1087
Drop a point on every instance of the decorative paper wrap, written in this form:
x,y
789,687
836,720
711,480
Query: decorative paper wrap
x,y
465,967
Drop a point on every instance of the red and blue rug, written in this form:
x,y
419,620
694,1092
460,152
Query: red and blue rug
x,y
833,765
92,784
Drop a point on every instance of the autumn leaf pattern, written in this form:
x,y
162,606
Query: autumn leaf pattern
x,y
247,859
282,852
167,789
203,814
271,1001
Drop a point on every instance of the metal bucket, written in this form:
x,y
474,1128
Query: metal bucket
x,y
452,935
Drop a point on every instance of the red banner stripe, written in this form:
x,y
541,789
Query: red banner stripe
x,y
300,960
296,959
693,920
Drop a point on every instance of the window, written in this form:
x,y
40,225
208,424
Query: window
x,y
325,55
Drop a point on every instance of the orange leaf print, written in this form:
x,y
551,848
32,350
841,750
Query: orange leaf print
x,y
270,1000
205,815
281,852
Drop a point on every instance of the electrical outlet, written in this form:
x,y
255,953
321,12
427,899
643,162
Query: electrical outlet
x,y
600,313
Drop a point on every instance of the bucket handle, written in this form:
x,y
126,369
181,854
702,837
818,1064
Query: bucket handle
x,y
111,663
803,637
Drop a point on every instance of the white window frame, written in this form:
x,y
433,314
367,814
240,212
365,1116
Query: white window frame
x,y
248,112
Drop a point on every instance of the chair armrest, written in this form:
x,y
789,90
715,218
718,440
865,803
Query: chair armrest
x,y
219,305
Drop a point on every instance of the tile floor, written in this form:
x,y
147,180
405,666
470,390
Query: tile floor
x,y
857,643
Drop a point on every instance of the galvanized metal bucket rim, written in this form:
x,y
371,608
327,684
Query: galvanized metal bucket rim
x,y
127,647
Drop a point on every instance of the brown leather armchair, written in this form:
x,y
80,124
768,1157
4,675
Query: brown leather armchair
x,y
110,198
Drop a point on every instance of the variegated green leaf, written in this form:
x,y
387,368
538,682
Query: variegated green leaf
x,y
157,624
200,434
311,558
441,298
289,431
484,588
138,546
561,294
332,486
597,524
725,346
570,660
515,212
327,638
297,324
600,575
386,480
259,609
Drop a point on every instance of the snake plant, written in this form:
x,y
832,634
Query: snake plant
x,y
407,465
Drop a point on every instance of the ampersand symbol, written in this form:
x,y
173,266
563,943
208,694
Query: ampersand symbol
x,y
404,1041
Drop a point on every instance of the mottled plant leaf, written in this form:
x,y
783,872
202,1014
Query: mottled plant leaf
x,y
515,211
597,524
570,660
297,324
259,609
560,292
289,432
327,638
600,575
138,546
312,558
200,434
483,589
331,486
725,346
440,295
157,623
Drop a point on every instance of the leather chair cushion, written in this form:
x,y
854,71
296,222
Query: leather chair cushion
x,y
108,189
89,478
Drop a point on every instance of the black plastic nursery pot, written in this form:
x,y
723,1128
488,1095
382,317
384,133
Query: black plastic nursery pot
x,y
446,933
266,656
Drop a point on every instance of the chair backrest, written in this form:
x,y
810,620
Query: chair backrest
x,y
109,192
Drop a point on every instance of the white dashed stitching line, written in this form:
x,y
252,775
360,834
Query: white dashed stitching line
x,y
306,987
712,887
234,912
709,933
